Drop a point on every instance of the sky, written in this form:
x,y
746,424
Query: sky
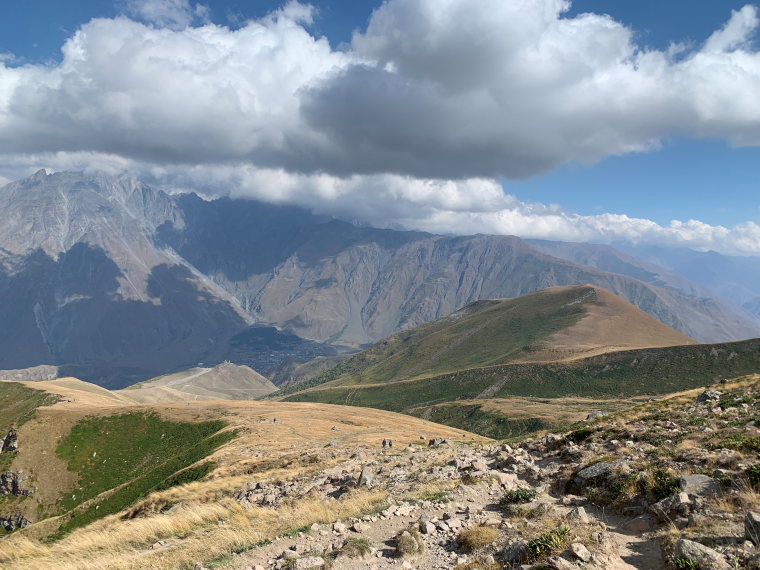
x,y
593,120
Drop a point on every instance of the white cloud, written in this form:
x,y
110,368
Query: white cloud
x,y
431,89
174,14
462,207
408,126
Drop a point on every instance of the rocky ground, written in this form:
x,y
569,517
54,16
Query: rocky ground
x,y
668,485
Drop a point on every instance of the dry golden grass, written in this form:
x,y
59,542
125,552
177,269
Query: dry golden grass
x,y
478,537
207,530
200,521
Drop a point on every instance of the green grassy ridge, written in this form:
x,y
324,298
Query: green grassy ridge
x,y
18,404
484,333
619,374
131,454
472,417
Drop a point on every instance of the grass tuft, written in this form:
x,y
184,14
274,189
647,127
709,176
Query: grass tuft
x,y
478,537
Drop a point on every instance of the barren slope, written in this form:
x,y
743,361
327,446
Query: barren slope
x,y
223,382
610,324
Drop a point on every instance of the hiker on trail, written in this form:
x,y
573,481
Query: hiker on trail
x,y
390,443
384,444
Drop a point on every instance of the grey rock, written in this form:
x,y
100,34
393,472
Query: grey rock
x,y
709,396
596,471
752,527
365,478
580,552
672,507
579,514
10,442
642,523
515,552
558,563
14,522
700,485
308,563
706,558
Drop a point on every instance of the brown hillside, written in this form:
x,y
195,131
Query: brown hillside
x,y
610,324
223,382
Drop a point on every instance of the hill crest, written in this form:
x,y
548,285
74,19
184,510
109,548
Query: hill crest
x,y
552,325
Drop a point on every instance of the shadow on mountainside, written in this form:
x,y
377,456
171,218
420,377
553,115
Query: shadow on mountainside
x,y
70,312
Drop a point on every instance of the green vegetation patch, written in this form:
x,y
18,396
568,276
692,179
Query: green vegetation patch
x,y
619,374
472,417
19,403
739,442
134,454
548,543
517,496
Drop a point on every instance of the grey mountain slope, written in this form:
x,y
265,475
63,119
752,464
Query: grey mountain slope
x,y
338,283
733,283
83,283
116,282
733,277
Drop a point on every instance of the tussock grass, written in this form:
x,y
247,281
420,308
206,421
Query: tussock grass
x,y
208,531
478,537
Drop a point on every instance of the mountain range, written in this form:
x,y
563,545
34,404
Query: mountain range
x,y
116,282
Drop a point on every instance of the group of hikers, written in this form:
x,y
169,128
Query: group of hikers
x,y
387,442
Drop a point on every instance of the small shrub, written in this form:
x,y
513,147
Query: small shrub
x,y
409,542
580,435
663,484
685,564
356,547
517,496
548,543
478,537
295,531
753,474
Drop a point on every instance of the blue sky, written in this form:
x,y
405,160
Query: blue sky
x,y
702,167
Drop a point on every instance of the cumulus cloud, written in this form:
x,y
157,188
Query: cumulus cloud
x,y
436,89
409,125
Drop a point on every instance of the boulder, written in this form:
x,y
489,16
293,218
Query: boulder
x,y
643,523
700,485
595,471
706,558
710,396
580,552
671,507
365,478
579,514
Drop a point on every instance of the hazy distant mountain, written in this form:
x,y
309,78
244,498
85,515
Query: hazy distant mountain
x,y
733,277
117,282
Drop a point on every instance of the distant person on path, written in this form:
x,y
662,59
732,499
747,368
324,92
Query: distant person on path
x,y
390,443
384,444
